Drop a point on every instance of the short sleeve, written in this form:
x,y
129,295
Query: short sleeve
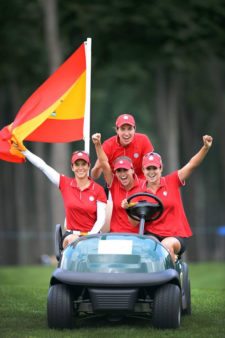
x,y
101,195
147,145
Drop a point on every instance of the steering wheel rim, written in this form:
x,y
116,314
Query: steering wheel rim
x,y
158,205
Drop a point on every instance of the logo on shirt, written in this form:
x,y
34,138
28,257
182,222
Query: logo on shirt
x,y
136,155
165,193
91,198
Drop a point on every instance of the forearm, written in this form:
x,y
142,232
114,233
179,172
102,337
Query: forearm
x,y
101,212
102,157
96,171
197,159
51,173
104,163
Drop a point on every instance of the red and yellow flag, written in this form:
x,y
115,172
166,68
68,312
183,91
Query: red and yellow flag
x,y
54,112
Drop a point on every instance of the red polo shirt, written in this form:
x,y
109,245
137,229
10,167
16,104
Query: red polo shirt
x,y
119,220
173,221
139,146
80,206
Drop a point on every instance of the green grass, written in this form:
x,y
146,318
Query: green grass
x,y
23,294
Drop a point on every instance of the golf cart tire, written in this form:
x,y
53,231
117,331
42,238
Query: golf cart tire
x,y
167,307
186,301
60,311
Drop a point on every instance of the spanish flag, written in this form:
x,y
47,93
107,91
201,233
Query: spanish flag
x,y
55,112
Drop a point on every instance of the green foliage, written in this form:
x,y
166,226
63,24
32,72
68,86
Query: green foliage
x,y
150,30
21,40
23,61
129,40
23,293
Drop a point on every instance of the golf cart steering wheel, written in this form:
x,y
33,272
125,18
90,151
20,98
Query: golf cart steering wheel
x,y
144,209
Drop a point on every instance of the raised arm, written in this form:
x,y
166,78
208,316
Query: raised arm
x,y
96,170
102,158
51,173
197,159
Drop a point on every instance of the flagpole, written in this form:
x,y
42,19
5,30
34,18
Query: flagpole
x,y
87,116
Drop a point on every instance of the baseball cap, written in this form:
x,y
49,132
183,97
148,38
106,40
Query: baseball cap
x,y
152,159
80,155
125,119
122,163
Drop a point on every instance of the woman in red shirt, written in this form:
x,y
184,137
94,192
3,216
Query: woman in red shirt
x,y
84,200
122,182
172,228
126,142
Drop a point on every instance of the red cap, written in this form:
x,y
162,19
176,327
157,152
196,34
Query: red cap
x,y
80,155
152,159
125,119
123,163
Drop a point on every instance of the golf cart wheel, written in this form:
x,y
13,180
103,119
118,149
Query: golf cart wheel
x,y
167,307
186,290
60,307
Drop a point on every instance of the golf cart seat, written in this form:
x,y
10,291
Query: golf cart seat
x,y
58,241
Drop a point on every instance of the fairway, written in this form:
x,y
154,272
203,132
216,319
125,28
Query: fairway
x,y
23,294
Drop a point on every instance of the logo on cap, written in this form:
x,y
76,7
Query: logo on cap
x,y
152,159
123,164
125,119
80,155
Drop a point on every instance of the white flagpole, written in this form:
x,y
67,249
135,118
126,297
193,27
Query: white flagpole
x,y
87,115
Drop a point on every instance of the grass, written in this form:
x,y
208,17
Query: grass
x,y
23,294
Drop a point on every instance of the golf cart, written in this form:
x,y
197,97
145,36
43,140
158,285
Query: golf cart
x,y
118,275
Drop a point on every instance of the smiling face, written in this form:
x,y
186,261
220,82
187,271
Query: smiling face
x,y
126,134
125,176
80,169
153,174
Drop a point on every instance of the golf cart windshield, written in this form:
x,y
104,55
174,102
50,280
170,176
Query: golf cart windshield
x,y
116,253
